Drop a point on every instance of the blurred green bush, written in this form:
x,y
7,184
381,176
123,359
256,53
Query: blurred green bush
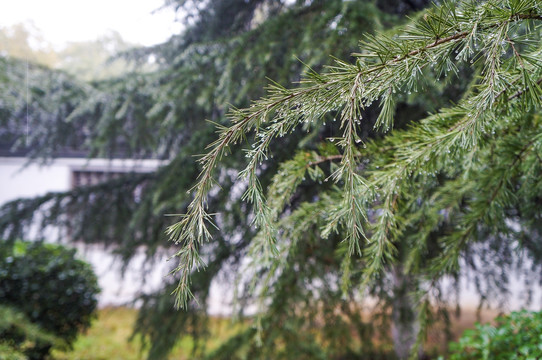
x,y
19,336
517,336
53,289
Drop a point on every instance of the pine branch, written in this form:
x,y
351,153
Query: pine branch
x,y
387,65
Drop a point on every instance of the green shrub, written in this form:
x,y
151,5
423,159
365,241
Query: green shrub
x,y
19,336
517,336
8,352
50,286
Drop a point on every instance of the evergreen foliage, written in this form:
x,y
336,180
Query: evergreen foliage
x,y
351,185
473,166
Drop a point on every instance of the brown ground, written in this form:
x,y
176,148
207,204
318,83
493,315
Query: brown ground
x,y
467,319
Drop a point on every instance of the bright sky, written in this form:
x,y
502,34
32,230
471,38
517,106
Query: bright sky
x,y
62,21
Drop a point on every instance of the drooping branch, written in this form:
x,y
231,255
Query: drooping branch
x,y
389,64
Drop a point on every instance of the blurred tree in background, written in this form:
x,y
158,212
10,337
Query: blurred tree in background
x,y
221,63
85,60
24,41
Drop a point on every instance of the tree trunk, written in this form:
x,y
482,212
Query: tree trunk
x,y
404,317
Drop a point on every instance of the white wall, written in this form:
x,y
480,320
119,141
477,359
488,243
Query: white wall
x,y
19,181
33,180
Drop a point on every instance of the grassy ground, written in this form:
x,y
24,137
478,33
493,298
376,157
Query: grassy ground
x,y
107,339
